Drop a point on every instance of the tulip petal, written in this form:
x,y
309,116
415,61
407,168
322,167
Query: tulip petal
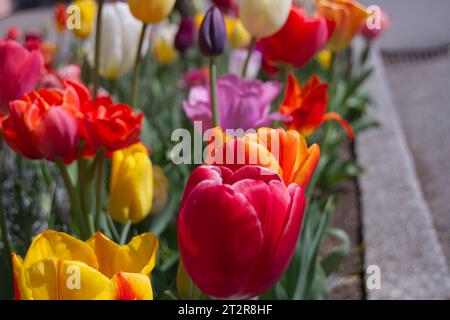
x,y
307,168
77,281
53,244
132,286
330,116
138,256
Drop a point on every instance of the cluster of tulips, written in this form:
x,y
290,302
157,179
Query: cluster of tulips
x,y
240,215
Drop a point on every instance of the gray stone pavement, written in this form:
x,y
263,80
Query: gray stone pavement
x,y
398,230
421,90
415,24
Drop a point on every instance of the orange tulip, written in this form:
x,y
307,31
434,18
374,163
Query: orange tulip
x,y
348,17
306,107
278,150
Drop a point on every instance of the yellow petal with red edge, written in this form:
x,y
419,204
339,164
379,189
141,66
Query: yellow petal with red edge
x,y
77,281
41,279
53,244
138,256
132,286
21,290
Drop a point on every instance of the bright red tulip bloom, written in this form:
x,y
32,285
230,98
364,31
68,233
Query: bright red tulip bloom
x,y
298,41
237,231
20,71
110,126
307,106
44,123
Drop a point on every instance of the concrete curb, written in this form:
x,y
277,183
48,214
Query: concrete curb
x,y
399,234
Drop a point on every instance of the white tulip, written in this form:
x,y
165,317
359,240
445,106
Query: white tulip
x,y
119,41
263,18
237,62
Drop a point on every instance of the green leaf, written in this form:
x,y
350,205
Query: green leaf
x,y
332,260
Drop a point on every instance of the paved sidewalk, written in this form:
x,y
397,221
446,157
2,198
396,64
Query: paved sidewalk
x,y
398,229
423,103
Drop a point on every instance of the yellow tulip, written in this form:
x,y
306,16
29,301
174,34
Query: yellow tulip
x,y
58,266
348,17
160,186
151,11
88,13
238,36
324,58
131,187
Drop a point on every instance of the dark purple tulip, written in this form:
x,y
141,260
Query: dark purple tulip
x,y
186,34
213,35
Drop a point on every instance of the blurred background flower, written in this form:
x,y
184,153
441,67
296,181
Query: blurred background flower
x,y
119,41
241,104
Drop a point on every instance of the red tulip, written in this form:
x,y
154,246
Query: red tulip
x,y
13,33
226,5
110,126
237,230
298,41
306,106
44,123
20,71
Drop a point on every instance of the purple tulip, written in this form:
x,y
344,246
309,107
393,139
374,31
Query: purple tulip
x,y
241,104
185,35
213,35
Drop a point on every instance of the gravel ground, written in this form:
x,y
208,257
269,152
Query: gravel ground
x,y
421,89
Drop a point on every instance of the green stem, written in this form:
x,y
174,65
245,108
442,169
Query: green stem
x,y
249,56
137,67
76,207
125,231
84,189
332,80
99,186
213,90
98,32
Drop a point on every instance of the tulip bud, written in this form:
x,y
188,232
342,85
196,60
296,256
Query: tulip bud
x,y
88,12
213,34
185,35
151,11
160,189
120,30
131,188
264,18
376,24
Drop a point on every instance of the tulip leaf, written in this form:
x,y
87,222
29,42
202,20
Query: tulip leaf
x,y
331,261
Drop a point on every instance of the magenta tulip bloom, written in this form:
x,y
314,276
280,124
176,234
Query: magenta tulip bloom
x,y
241,104
237,231
20,71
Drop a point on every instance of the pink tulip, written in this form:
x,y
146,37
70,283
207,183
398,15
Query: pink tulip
x,y
237,231
375,26
20,71
242,104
